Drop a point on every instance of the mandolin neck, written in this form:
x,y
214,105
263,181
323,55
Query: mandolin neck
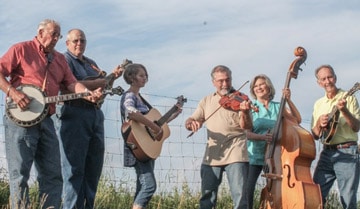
x,y
110,80
335,109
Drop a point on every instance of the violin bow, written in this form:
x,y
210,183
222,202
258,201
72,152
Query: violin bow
x,y
230,94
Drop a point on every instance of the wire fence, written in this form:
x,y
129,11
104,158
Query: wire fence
x,y
178,164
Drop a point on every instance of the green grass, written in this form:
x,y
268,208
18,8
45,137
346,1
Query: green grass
x,y
4,193
110,196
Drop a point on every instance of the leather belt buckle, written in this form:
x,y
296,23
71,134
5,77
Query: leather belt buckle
x,y
330,147
346,145
339,146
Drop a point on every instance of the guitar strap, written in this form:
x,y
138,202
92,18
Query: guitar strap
x,y
95,68
145,102
49,58
101,72
44,82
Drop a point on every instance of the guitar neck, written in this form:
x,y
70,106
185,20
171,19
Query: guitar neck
x,y
167,115
66,97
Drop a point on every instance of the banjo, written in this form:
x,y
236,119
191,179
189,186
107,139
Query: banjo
x,y
38,108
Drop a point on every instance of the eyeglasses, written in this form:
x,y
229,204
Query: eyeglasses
x,y
54,34
79,40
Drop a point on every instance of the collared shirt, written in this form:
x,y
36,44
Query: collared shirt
x,y
26,63
324,105
82,70
226,140
263,121
85,69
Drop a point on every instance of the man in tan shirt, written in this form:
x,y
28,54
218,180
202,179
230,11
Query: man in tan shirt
x,y
226,148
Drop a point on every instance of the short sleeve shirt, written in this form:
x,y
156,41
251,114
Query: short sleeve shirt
x,y
226,141
324,106
82,70
26,63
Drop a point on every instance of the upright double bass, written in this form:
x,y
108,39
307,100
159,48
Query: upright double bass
x,y
288,159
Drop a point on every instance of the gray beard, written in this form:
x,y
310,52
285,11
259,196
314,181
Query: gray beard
x,y
224,91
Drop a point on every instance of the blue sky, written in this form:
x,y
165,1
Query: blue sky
x,y
181,41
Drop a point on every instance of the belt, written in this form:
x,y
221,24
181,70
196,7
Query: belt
x,y
340,146
82,104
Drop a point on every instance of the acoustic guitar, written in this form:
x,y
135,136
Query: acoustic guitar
x,y
141,140
328,132
38,108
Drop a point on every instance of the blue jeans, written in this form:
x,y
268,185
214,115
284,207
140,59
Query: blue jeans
x,y
145,183
82,139
39,145
211,177
254,173
343,165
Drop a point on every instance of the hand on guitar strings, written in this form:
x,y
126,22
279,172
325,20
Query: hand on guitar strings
x,y
21,99
156,133
322,122
324,119
95,95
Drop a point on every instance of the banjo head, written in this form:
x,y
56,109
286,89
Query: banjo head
x,y
37,109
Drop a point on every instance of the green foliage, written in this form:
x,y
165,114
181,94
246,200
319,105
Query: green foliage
x,y
332,201
176,200
112,196
257,196
4,192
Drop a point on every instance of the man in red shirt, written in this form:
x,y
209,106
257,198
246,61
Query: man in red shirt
x,y
36,62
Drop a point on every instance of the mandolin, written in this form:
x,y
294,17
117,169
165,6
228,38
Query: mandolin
x,y
109,79
327,133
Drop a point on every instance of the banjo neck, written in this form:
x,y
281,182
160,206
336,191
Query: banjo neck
x,y
65,97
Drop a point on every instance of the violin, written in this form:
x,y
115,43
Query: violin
x,y
232,101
